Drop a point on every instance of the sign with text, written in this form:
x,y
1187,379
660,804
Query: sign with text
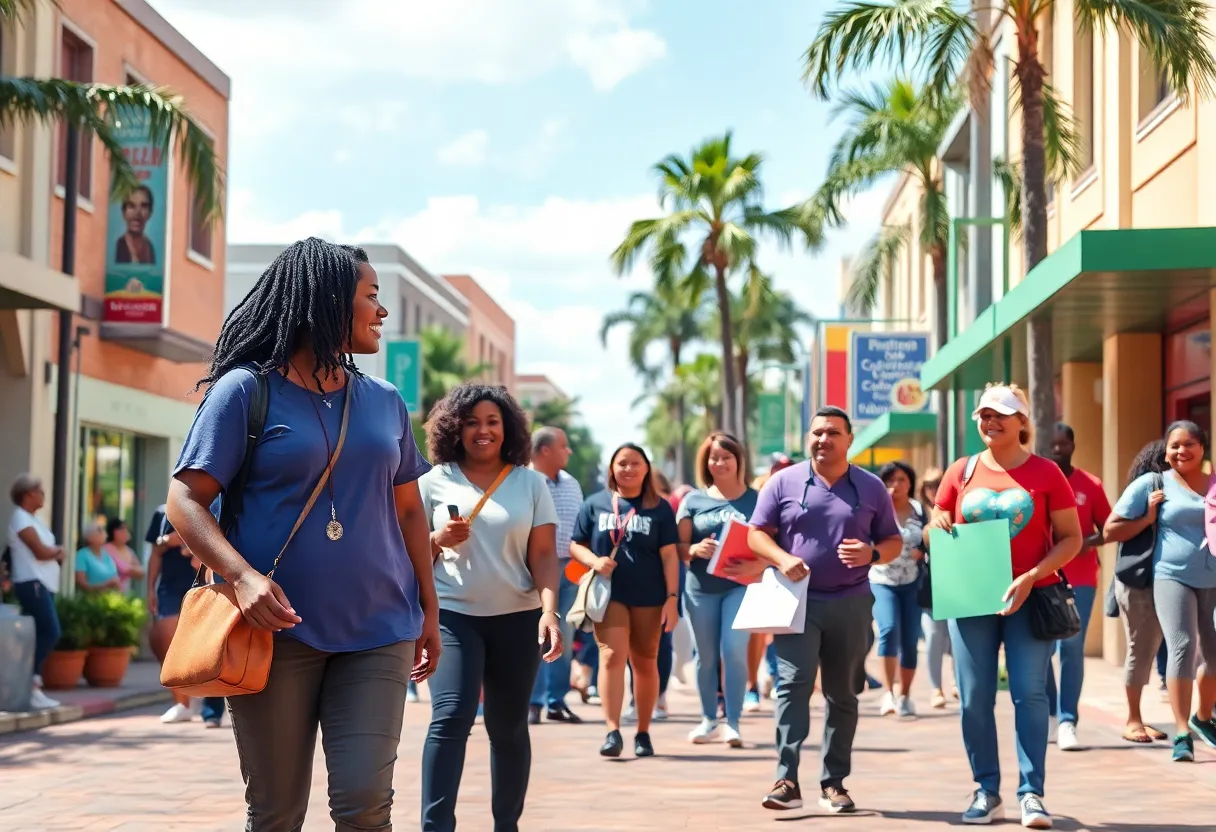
x,y
403,360
136,250
772,423
886,374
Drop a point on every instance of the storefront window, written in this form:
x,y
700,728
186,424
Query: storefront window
x,y
109,479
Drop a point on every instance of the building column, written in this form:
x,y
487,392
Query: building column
x,y
1131,417
1081,399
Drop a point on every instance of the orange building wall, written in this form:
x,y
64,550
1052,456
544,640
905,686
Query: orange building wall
x,y
488,319
196,293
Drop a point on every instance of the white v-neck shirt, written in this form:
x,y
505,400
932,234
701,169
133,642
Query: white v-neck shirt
x,y
488,574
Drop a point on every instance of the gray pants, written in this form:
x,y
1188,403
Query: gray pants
x,y
357,700
937,646
834,641
1186,616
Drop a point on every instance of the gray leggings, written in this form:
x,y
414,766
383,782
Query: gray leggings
x,y
1186,616
358,702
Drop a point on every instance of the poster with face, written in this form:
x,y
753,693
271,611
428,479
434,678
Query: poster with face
x,y
136,232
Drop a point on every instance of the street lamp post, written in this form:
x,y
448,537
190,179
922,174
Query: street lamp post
x,y
63,392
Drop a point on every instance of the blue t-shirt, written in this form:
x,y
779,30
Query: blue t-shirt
x,y
97,569
355,593
638,579
708,515
1181,553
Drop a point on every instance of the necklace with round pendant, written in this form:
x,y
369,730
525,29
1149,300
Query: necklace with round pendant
x,y
333,529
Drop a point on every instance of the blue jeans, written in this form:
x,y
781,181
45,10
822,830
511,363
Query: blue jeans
x,y
38,603
720,650
1072,663
213,708
897,614
977,643
553,679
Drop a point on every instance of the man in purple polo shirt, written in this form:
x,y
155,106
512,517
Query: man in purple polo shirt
x,y
825,521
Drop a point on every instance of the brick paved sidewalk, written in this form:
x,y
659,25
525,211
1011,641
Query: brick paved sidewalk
x,y
129,772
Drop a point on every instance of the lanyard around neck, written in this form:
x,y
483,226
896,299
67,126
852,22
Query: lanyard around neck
x,y
617,533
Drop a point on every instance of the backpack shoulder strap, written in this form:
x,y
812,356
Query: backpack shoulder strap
x,y
259,404
969,471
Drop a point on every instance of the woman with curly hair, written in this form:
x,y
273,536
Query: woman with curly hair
x,y
352,601
627,532
494,540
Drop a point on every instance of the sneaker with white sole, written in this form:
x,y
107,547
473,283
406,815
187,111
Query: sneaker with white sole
x,y
785,794
660,708
751,701
731,737
905,707
1034,816
39,701
984,807
1066,737
178,713
630,715
704,733
886,706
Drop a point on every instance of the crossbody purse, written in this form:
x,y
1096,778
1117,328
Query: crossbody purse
x,y
215,651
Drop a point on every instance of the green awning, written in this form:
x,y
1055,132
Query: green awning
x,y
895,430
1098,284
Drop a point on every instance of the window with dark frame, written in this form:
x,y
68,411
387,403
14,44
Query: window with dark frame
x,y
8,136
200,229
1154,86
76,64
1083,94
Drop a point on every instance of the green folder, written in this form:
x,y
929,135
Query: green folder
x,y
972,567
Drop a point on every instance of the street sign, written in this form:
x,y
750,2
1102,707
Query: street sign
x,y
771,407
403,359
886,374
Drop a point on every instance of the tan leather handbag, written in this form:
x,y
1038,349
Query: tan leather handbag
x,y
215,651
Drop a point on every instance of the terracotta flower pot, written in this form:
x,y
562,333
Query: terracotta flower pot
x,y
62,669
106,666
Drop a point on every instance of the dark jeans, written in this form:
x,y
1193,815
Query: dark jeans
x,y
833,643
358,702
213,708
496,655
38,603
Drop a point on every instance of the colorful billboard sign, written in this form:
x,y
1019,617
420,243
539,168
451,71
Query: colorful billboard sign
x,y
404,359
136,239
885,374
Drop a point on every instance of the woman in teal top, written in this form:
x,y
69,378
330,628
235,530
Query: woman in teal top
x,y
95,569
1184,576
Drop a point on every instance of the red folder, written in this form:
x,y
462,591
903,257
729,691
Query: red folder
x,y
732,549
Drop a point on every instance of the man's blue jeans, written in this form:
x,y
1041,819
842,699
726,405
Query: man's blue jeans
x,y
720,647
213,708
553,679
977,643
1071,651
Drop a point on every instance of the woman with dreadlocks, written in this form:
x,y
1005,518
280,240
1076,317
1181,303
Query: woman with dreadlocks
x,y
353,600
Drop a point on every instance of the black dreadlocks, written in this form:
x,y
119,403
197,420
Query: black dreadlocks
x,y
308,289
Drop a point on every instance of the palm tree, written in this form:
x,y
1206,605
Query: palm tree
x,y
672,315
715,203
945,42
99,108
444,365
700,382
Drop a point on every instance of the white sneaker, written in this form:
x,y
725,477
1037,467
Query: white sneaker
x,y
630,715
905,708
411,695
704,733
660,709
732,737
39,701
178,713
1066,737
887,706
1034,816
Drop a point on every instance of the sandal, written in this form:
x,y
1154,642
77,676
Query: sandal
x,y
1154,734
1143,735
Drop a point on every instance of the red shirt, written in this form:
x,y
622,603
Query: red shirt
x,y
1026,496
1093,508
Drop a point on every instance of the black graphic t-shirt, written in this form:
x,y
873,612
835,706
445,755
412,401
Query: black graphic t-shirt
x,y
638,579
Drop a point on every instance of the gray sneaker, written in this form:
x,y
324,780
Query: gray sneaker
x,y
1034,816
984,807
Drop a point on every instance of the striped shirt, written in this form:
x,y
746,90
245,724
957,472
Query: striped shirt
x,y
568,498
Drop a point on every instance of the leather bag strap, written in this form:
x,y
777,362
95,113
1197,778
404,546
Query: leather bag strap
x,y
316,492
502,475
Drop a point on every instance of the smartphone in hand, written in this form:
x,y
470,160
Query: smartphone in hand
x,y
453,512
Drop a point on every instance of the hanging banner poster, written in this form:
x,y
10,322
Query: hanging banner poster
x,y
136,248
886,374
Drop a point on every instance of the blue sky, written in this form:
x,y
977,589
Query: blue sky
x,y
514,141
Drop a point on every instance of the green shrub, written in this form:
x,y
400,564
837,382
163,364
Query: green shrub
x,y
75,622
115,620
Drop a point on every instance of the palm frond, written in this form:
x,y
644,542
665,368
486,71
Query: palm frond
x,y
1009,175
1062,148
13,10
868,271
933,33
1173,32
101,108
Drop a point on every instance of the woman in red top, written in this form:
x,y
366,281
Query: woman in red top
x,y
1007,481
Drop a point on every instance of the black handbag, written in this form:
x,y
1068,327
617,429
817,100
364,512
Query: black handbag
x,y
1134,564
1053,611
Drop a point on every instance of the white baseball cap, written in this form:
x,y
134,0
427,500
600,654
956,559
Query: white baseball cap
x,y
1003,401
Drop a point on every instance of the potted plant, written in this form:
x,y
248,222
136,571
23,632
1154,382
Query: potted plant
x,y
63,667
116,625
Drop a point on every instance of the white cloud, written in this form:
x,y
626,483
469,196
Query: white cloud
x,y
465,151
610,59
